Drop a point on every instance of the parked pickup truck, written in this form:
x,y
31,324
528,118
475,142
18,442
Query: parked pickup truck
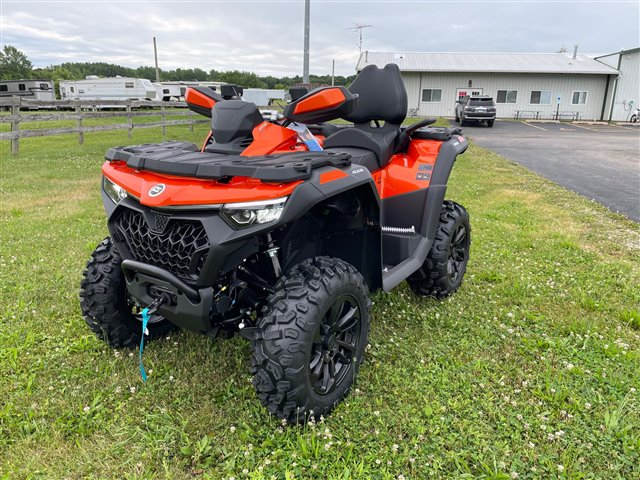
x,y
476,109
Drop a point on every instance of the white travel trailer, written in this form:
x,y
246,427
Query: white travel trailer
x,y
262,97
170,91
29,89
114,88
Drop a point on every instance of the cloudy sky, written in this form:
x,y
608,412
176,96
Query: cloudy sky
x,y
266,37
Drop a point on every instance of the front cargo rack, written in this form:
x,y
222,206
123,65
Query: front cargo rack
x,y
184,159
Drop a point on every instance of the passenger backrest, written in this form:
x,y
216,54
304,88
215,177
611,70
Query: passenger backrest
x,y
381,95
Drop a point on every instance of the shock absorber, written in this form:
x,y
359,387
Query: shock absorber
x,y
272,252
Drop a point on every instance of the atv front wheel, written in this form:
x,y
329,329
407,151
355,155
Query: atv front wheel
x,y
105,304
314,331
441,273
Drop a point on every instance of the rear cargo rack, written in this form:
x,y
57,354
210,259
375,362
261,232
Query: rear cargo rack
x,y
184,159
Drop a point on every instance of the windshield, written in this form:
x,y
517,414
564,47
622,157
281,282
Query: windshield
x,y
481,102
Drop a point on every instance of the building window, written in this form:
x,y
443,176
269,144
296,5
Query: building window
x,y
4,88
44,86
72,90
507,96
433,95
128,84
579,98
80,91
22,86
540,97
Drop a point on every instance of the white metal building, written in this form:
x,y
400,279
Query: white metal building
x,y
626,88
523,84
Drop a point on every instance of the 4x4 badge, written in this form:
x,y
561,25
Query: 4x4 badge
x,y
156,190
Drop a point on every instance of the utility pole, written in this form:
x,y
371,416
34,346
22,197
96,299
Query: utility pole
x,y
155,54
305,61
333,71
358,28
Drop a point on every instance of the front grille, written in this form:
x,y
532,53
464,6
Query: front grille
x,y
179,246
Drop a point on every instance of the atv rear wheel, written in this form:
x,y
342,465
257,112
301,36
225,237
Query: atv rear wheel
x,y
443,270
106,306
314,332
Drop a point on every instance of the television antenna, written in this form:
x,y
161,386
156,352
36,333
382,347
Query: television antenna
x,y
358,28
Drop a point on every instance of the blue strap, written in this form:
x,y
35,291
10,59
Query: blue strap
x,y
145,319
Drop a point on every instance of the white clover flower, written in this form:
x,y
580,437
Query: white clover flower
x,y
561,468
232,429
86,409
132,389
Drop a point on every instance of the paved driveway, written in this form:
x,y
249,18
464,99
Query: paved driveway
x,y
601,162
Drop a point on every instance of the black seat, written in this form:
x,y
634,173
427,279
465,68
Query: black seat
x,y
382,97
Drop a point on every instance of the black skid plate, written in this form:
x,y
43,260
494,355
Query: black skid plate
x,y
184,159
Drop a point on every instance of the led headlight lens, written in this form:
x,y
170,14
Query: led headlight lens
x,y
242,215
115,192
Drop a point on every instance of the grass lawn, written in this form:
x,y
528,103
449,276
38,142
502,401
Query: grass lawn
x,y
529,371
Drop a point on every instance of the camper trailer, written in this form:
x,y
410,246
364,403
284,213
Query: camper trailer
x,y
28,89
170,91
114,88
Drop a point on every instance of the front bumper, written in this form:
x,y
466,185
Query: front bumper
x,y
189,307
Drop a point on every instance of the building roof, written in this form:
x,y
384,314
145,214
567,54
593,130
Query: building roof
x,y
487,62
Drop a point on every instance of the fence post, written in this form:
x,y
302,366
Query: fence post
x,y
80,132
129,118
15,124
191,121
164,117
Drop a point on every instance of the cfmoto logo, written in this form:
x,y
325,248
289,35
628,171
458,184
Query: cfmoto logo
x,y
156,190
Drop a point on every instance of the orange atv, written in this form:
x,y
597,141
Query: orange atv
x,y
279,230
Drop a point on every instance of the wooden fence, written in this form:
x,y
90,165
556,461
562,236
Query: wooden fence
x,y
79,110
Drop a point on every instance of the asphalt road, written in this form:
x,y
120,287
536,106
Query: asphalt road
x,y
601,162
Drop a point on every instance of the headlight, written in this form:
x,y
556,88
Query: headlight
x,y
115,192
242,215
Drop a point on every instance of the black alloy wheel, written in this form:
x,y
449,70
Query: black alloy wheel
x,y
335,345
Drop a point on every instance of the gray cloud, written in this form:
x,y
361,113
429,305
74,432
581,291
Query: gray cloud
x,y
266,37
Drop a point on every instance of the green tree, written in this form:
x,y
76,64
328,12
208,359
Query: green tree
x,y
14,64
